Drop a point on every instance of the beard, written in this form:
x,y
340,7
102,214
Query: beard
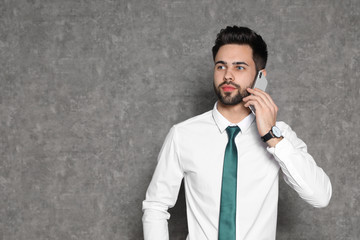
x,y
226,98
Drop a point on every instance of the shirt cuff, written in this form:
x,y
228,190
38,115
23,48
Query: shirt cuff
x,y
282,148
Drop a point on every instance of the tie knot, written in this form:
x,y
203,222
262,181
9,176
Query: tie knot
x,y
232,131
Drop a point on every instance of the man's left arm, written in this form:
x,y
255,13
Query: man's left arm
x,y
299,168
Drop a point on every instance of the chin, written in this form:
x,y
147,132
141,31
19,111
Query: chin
x,y
230,102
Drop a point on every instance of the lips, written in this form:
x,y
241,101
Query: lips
x,y
228,88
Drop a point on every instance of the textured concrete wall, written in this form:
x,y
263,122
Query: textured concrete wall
x,y
90,88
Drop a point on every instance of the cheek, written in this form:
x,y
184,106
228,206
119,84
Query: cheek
x,y
217,77
245,79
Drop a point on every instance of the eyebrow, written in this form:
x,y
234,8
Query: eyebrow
x,y
234,63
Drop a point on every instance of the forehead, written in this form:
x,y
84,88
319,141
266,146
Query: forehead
x,y
234,52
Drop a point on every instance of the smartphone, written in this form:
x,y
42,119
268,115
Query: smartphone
x,y
260,83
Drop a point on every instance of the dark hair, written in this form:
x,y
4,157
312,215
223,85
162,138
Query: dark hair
x,y
243,36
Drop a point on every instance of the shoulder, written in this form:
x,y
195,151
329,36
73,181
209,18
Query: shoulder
x,y
196,121
195,126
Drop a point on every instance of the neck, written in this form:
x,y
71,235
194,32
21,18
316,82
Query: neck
x,y
233,113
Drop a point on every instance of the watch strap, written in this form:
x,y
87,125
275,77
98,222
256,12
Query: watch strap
x,y
267,136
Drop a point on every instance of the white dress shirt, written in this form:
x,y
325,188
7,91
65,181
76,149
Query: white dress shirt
x,y
194,150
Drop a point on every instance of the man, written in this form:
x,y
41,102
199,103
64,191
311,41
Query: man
x,y
229,158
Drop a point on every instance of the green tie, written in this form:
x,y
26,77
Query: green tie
x,y
227,219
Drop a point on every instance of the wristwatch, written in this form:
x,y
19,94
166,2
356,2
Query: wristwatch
x,y
273,133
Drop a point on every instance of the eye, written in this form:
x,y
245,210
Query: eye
x,y
220,67
240,68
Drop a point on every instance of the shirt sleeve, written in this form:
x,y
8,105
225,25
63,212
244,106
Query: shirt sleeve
x,y
300,170
163,191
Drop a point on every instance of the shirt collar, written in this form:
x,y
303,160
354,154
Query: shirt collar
x,y
222,123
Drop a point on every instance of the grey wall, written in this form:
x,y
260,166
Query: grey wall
x,y
89,89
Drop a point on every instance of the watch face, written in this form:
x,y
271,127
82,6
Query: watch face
x,y
276,131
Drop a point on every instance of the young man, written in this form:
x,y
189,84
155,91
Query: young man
x,y
230,159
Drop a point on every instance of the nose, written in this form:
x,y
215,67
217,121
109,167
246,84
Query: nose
x,y
228,76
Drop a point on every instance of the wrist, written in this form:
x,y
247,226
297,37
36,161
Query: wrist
x,y
272,142
273,136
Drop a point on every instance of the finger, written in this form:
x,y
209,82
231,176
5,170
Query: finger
x,y
253,103
267,96
252,92
253,98
267,99
261,94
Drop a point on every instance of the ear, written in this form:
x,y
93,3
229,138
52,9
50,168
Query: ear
x,y
263,71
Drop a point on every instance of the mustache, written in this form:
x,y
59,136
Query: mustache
x,y
229,83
